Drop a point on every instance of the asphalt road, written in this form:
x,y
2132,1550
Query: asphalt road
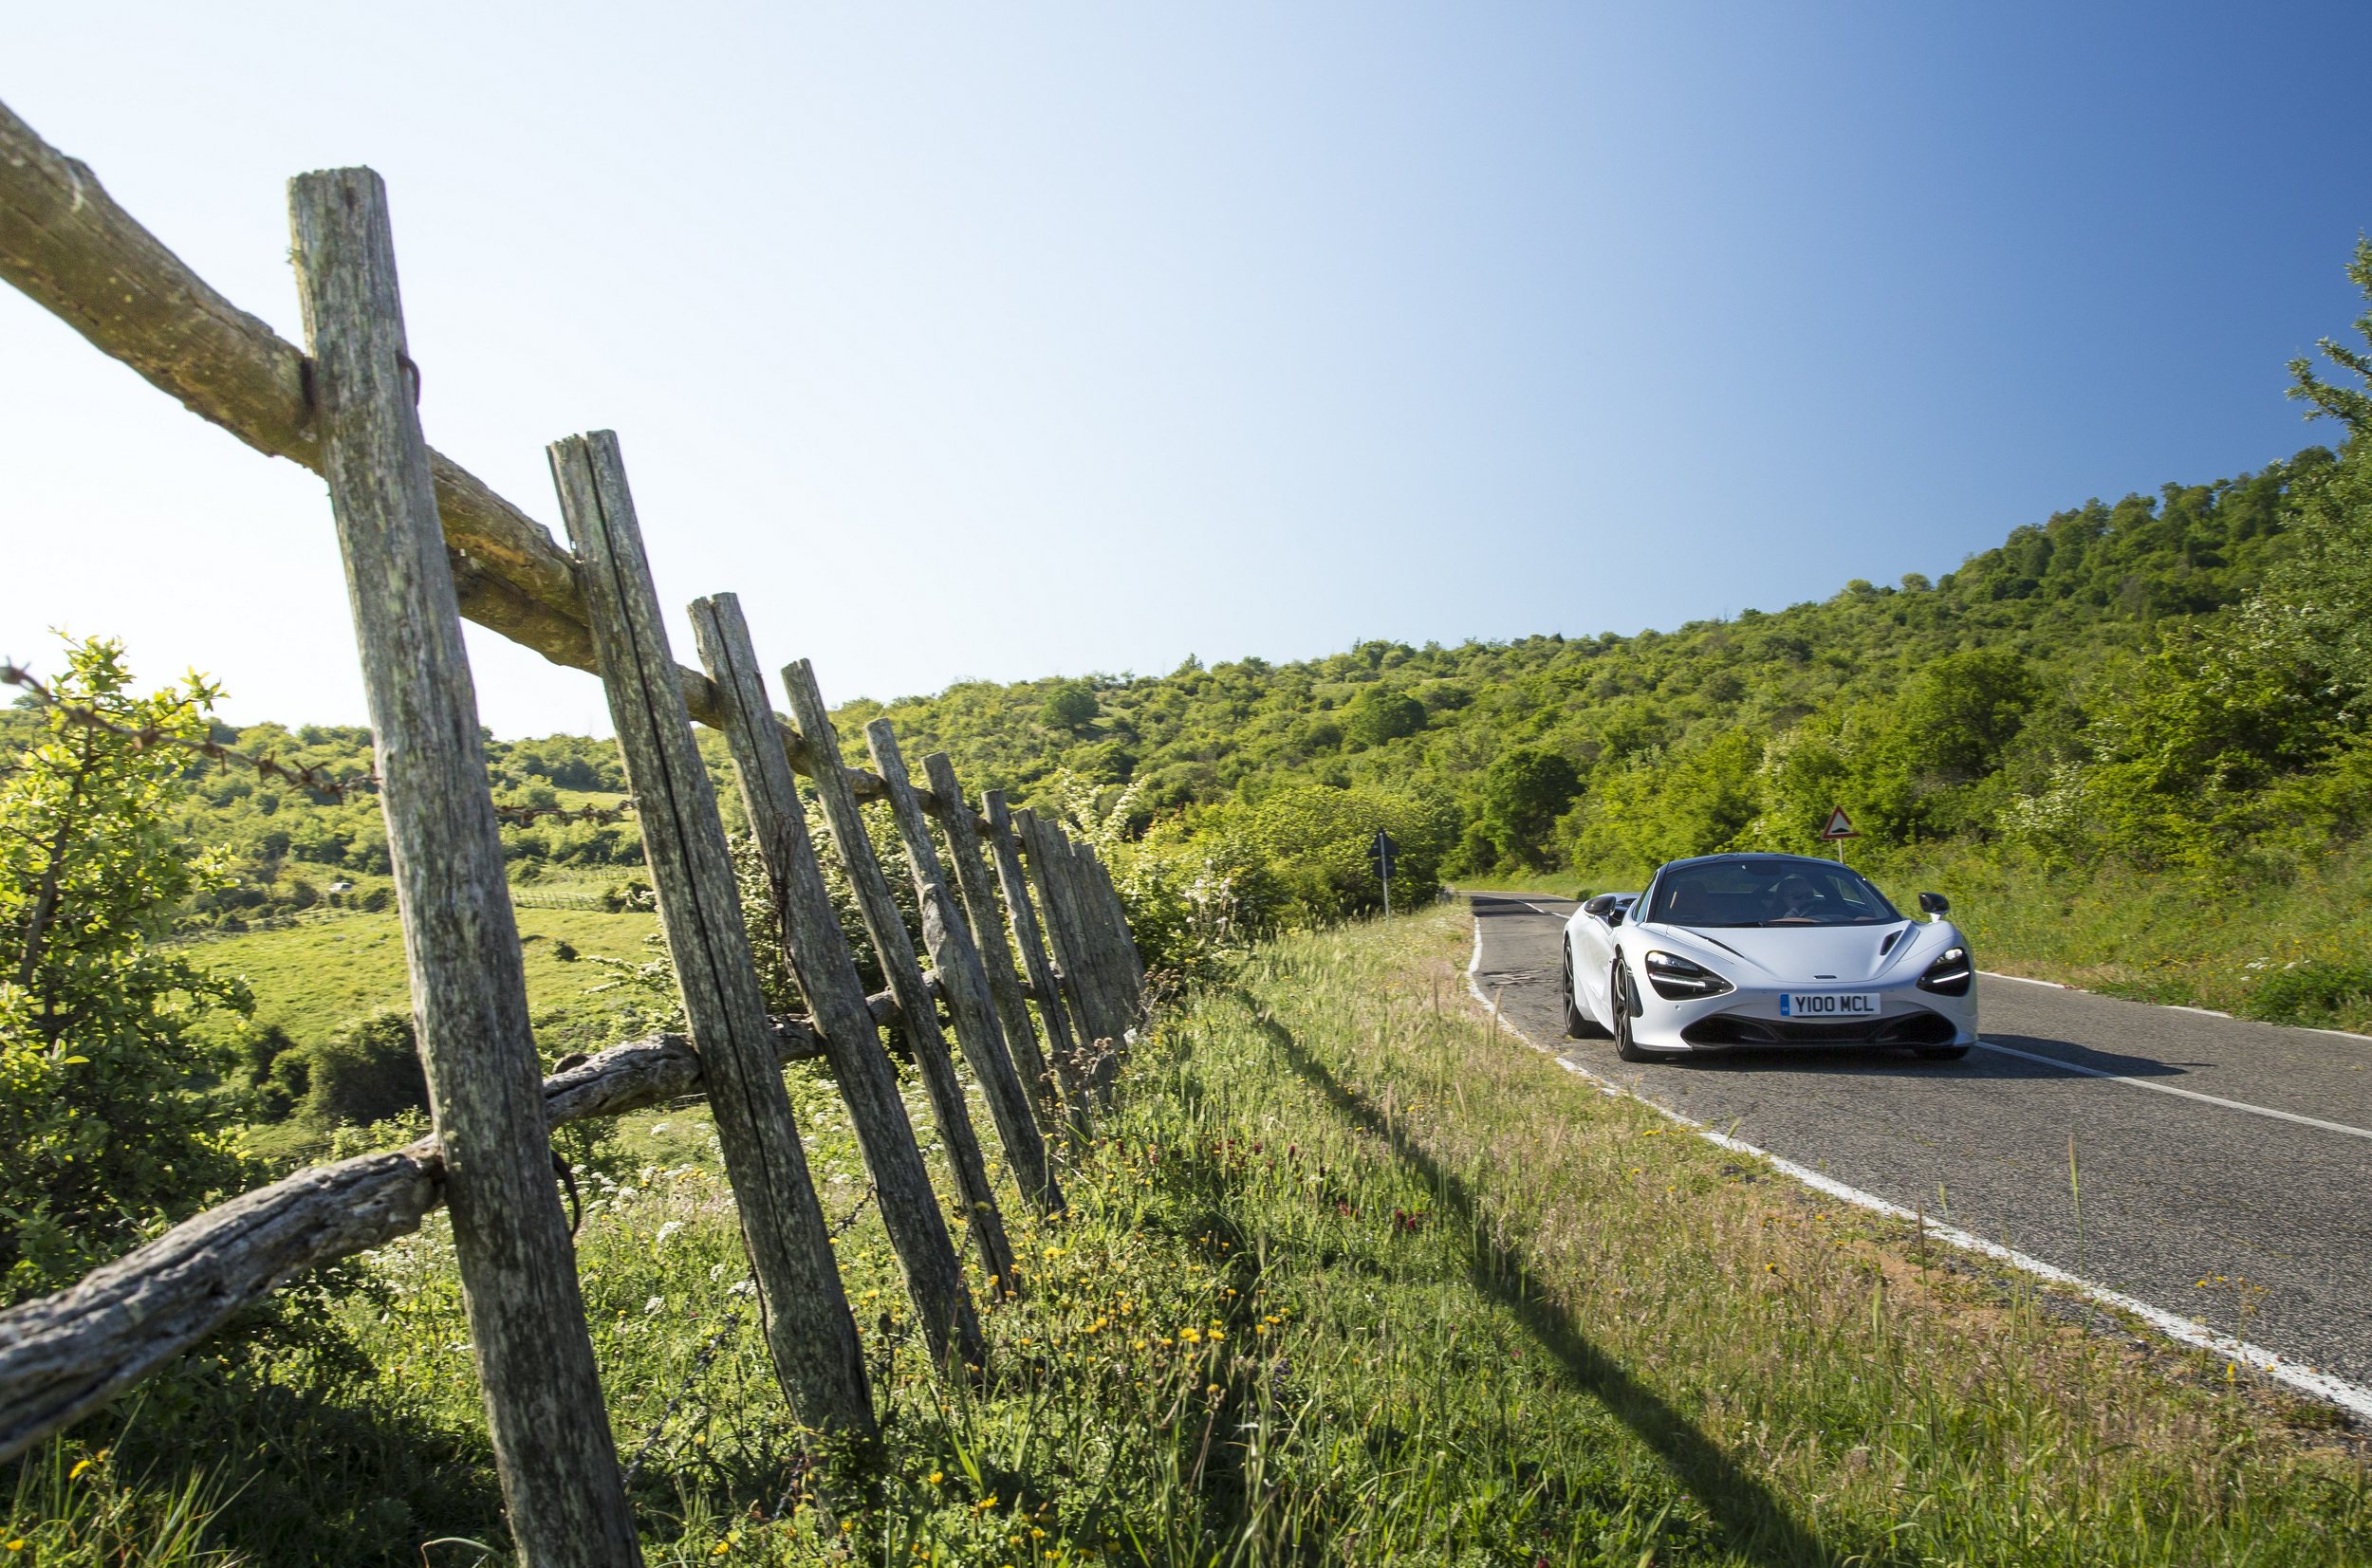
x,y
2175,1189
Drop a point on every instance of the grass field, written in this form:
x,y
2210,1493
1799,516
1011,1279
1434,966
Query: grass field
x,y
309,978
1348,1278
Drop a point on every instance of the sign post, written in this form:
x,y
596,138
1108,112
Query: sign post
x,y
1839,828
1382,849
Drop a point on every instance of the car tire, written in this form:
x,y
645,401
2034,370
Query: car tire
x,y
1619,995
1941,1052
1578,1024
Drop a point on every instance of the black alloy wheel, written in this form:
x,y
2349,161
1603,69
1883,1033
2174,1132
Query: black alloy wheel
x,y
1578,1024
1619,995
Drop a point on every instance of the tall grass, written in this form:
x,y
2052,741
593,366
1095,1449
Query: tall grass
x,y
1346,1279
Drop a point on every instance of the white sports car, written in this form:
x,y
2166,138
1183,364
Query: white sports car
x,y
1749,950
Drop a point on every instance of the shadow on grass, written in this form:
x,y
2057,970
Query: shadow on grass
x,y
1750,1515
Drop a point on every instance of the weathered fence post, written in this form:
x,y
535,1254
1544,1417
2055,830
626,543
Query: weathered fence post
x,y
551,1439
976,883
1124,939
819,957
801,1301
962,978
1076,864
1061,1044
1071,972
917,1013
1074,939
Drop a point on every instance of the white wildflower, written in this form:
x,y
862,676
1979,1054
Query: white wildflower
x,y
655,1303
666,1230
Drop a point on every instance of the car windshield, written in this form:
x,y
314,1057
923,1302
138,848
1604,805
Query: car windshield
x,y
1754,891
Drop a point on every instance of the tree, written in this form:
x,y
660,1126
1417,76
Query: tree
x,y
2351,406
97,1052
1523,793
1071,705
1383,713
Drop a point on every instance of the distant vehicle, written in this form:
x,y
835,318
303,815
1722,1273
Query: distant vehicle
x,y
1749,950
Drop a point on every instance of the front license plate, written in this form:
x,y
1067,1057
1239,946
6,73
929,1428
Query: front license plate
x,y
1827,1003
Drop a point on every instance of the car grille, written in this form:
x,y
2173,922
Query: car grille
x,y
1914,1028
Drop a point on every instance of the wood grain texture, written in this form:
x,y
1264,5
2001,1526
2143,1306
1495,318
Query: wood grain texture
x,y
820,960
550,1429
809,1330
1045,991
63,1356
977,880
919,1017
1099,964
1099,1034
964,983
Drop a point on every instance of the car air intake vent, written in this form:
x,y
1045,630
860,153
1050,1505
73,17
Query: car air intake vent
x,y
1914,1028
1888,945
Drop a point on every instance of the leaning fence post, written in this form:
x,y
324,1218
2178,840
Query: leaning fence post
x,y
551,1439
1077,865
963,980
917,1013
1052,1011
1104,1025
1108,919
819,957
1124,938
801,1301
974,879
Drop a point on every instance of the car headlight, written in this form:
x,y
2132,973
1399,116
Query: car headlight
x,y
1678,979
1949,975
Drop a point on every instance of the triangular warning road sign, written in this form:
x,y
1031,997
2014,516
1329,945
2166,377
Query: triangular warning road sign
x,y
1839,827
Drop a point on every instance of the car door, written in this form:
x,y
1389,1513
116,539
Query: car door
x,y
1591,941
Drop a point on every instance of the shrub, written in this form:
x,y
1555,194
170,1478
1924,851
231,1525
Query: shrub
x,y
368,1071
2313,990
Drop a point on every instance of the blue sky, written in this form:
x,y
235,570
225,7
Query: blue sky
x,y
1000,342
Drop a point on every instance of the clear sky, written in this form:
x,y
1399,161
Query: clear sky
x,y
1000,341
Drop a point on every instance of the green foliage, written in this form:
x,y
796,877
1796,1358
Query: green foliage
x,y
2314,991
2351,406
98,1056
1524,791
1382,713
1071,705
368,1071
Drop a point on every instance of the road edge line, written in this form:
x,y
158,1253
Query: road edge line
x,y
2352,1397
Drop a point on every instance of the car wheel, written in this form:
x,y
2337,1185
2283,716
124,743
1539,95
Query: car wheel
x,y
1941,1052
1619,993
1578,1024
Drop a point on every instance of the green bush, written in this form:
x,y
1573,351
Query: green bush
x,y
368,1071
2312,991
99,1059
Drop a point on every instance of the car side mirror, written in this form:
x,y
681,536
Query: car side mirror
x,y
1935,905
1601,906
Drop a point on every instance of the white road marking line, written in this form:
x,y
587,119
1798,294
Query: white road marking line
x,y
1996,974
2186,1094
2343,1034
2352,1397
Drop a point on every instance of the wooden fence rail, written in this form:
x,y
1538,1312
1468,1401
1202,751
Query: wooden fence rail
x,y
426,544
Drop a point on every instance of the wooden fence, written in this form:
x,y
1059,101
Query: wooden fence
x,y
1022,929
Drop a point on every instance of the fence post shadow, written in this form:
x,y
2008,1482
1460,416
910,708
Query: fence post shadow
x,y
1750,1516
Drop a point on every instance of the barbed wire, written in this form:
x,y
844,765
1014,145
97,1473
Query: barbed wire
x,y
296,775
705,1355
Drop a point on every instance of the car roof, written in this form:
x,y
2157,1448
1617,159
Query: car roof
x,y
1746,855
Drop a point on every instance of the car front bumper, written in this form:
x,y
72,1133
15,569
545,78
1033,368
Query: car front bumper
x,y
1749,1020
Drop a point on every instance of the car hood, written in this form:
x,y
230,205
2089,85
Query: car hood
x,y
1797,955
